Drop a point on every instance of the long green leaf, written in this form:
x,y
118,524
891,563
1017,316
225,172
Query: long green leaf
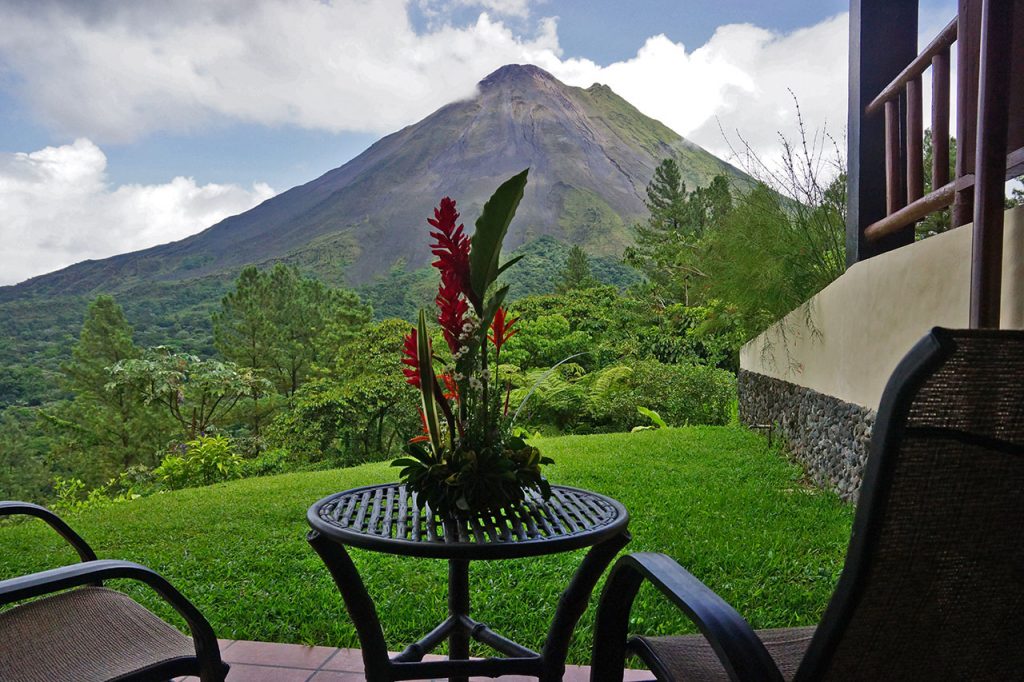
x,y
491,228
491,309
510,262
426,369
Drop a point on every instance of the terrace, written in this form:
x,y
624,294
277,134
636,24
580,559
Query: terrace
x,y
768,535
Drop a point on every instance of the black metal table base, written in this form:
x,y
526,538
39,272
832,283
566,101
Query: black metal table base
x,y
459,629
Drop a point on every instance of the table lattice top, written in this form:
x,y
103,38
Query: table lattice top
x,y
386,518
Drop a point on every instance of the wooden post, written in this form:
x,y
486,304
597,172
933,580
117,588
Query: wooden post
x,y
990,162
883,40
967,32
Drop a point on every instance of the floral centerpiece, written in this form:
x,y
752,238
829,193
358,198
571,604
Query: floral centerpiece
x,y
468,459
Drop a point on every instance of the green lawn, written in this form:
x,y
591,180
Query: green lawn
x,y
715,498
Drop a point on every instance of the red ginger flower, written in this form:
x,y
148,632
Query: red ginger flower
x,y
411,358
451,313
451,246
451,389
501,329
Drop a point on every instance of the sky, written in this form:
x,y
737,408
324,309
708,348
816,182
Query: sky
x,y
125,125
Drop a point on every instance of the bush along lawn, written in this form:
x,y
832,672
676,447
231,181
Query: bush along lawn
x,y
717,499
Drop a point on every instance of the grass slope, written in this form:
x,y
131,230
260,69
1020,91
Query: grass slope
x,y
716,498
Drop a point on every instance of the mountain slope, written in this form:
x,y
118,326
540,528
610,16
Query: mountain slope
x,y
591,156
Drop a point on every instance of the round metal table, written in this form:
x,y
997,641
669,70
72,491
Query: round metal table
x,y
386,518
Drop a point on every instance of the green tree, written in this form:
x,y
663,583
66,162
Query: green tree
x,y
244,333
1016,196
576,274
193,391
771,255
102,431
666,245
359,409
25,473
281,324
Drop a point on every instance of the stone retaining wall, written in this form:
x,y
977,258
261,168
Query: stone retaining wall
x,y
828,436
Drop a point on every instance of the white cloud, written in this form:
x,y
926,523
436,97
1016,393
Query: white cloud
x,y
58,209
122,71
739,80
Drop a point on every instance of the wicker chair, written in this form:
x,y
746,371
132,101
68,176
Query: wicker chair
x,y
75,629
933,586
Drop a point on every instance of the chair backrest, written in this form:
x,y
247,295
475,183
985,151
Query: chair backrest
x,y
933,586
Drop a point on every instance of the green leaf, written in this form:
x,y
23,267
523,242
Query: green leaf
x,y
491,309
491,228
426,370
653,417
509,263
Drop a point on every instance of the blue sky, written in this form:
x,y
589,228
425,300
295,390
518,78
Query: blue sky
x,y
125,125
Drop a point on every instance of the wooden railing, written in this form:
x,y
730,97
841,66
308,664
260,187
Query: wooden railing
x,y
907,203
989,62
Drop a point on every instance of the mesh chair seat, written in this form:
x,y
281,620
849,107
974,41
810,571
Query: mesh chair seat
x,y
690,657
87,634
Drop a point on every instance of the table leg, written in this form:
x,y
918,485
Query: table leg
x,y
458,605
358,604
573,603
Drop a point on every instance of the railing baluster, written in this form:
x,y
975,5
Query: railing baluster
x,y
915,157
893,175
940,119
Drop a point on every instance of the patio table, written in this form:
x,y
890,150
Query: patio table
x,y
386,518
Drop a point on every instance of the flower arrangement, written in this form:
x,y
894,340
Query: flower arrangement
x,y
468,458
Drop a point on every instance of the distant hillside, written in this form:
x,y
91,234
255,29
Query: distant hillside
x,y
591,155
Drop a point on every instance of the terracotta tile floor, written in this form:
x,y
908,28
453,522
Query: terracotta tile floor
x,y
270,662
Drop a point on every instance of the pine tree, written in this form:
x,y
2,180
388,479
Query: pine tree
x,y
103,429
105,339
245,334
576,274
666,245
281,324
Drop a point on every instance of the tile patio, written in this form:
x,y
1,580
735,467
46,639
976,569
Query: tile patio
x,y
272,662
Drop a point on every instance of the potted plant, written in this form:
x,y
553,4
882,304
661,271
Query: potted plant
x,y
468,459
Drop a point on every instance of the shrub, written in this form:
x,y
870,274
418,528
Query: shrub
x,y
681,394
551,397
73,498
267,463
205,460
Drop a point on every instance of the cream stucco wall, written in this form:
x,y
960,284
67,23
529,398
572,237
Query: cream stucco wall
x,y
861,325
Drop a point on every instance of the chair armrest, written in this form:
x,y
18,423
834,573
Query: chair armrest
x,y
11,508
89,572
742,654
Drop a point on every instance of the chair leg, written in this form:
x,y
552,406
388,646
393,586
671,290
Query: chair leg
x,y
608,659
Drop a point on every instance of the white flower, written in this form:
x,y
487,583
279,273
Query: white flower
x,y
485,375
